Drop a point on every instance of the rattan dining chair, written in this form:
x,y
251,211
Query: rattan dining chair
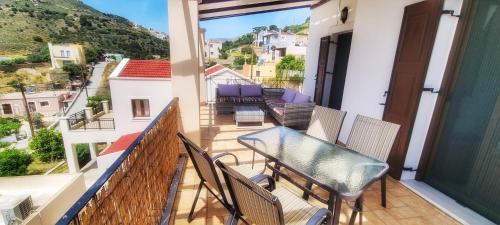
x,y
373,138
325,123
205,168
256,205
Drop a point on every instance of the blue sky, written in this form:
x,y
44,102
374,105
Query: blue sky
x,y
153,13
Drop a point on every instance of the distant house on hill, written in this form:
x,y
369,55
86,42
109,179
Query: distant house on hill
x,y
212,49
219,74
66,53
47,103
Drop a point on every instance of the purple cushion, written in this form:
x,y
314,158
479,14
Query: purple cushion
x,y
289,95
300,98
229,90
251,90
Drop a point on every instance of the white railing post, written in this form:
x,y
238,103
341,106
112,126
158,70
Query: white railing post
x,y
105,106
88,113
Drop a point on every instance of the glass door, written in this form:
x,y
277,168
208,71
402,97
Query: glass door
x,y
466,160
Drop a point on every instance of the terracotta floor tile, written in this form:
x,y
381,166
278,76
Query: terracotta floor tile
x,y
219,134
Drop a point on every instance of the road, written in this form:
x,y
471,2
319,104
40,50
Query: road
x,y
81,101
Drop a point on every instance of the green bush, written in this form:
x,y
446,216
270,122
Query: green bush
x,y
95,101
9,126
4,144
75,71
83,154
41,55
14,162
37,119
48,145
38,39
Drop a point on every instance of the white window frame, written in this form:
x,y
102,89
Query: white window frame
x,y
132,108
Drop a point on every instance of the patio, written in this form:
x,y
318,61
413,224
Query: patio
x,y
219,134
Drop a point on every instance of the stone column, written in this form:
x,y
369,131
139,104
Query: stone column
x,y
93,151
105,106
69,148
88,113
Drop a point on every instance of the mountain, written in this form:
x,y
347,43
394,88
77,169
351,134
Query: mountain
x,y
27,25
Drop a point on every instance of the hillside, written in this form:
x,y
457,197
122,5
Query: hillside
x,y
27,25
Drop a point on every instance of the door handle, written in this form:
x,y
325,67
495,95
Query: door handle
x,y
431,90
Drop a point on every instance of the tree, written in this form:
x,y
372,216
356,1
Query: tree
x,y
289,63
75,71
9,126
93,54
247,50
38,120
48,145
14,162
95,101
238,61
274,27
259,29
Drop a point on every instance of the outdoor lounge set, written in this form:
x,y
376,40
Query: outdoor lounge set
x,y
289,107
345,172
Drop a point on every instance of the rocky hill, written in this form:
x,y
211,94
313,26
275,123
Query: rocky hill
x,y
27,25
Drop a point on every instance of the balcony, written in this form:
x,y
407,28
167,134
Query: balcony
x,y
152,163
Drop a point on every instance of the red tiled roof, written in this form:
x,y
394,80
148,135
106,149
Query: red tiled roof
x,y
147,69
213,69
121,144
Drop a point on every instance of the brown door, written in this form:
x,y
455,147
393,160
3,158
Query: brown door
x,y
416,40
322,63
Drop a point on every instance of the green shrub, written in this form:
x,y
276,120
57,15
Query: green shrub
x,y
4,144
41,55
83,154
95,101
75,71
14,162
48,145
19,60
37,119
9,126
38,39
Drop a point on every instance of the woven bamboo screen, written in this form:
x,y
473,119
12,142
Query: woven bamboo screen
x,y
136,192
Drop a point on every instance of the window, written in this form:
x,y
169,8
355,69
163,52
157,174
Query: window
x,y
44,104
62,53
32,106
68,54
211,53
140,107
257,73
7,109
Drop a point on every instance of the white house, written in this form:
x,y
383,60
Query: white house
x,y
219,74
212,49
140,89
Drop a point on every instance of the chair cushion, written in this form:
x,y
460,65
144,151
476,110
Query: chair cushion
x,y
229,90
295,210
251,90
289,95
278,110
300,98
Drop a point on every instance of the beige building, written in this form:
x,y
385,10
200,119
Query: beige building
x,y
265,70
48,103
65,53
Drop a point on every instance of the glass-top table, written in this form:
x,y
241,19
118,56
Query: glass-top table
x,y
342,172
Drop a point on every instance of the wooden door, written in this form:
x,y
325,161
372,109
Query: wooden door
x,y
416,40
322,63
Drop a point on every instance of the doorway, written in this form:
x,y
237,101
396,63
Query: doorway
x,y
465,150
332,69
416,41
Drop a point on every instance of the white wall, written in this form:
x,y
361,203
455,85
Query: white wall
x,y
376,31
123,90
325,20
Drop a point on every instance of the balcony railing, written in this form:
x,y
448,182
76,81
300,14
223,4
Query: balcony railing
x,y
140,185
95,124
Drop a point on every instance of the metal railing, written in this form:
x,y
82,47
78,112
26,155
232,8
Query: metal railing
x,y
95,124
76,118
140,186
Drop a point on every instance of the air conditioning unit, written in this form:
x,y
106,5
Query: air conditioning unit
x,y
15,209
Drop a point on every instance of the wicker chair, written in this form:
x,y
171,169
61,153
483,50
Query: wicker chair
x,y
255,205
204,166
325,123
374,138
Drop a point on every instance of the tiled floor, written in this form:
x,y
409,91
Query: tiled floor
x,y
219,135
